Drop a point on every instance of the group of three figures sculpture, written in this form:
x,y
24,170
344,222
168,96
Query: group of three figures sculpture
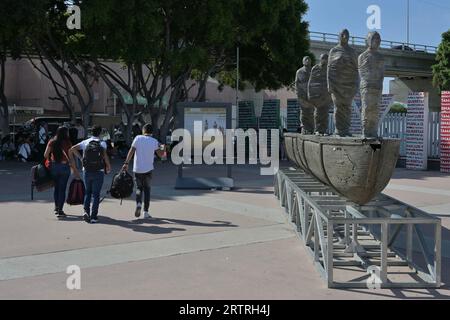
x,y
355,167
335,80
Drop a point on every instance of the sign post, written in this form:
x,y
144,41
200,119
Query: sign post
x,y
198,118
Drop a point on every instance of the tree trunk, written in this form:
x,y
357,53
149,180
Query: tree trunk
x,y
86,112
174,99
4,116
201,95
129,129
4,112
131,115
85,118
44,59
155,124
73,117
122,105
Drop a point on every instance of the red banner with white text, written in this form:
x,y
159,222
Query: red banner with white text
x,y
445,132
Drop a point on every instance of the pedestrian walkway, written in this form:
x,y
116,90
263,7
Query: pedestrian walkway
x,y
201,244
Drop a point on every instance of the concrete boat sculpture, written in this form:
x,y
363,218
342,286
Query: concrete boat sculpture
x,y
356,168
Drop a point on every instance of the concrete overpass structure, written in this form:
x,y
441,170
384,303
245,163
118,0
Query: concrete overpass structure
x,y
409,64
26,87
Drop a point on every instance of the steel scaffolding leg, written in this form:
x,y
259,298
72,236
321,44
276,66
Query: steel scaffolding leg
x,y
378,236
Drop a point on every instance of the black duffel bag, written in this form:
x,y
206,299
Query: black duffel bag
x,y
122,185
41,179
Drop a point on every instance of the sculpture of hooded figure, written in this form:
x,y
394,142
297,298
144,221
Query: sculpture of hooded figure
x,y
306,108
371,72
318,95
343,82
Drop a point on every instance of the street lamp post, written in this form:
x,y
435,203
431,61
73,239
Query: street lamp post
x,y
237,81
407,21
14,124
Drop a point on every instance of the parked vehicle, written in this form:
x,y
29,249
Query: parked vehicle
x,y
402,47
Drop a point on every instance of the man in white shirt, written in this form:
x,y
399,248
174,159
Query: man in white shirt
x,y
143,150
24,150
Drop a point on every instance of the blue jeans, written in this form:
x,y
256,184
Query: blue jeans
x,y
60,173
93,182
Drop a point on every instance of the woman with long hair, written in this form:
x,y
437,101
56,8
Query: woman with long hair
x,y
57,159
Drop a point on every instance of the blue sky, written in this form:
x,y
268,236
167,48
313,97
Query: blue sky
x,y
428,18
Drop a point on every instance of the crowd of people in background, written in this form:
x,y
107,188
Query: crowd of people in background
x,y
66,152
29,144
23,147
30,147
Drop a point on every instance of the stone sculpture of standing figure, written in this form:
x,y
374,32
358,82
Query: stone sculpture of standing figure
x,y
371,72
318,95
343,82
306,108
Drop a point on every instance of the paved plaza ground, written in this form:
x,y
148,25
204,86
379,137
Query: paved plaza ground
x,y
200,244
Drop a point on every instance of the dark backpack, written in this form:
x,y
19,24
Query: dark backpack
x,y
41,178
76,193
93,157
122,185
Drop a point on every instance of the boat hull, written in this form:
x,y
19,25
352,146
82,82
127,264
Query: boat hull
x,y
356,168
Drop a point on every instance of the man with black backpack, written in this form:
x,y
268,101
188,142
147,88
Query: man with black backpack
x,y
95,164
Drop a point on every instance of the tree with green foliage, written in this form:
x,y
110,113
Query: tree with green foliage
x,y
441,70
134,44
164,44
398,107
59,55
276,47
271,35
272,39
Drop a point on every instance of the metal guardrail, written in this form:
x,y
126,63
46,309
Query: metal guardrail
x,y
385,44
385,236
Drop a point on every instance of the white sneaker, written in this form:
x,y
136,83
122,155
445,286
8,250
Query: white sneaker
x,y
147,215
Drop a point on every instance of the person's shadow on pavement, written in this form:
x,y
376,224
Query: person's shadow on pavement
x,y
214,224
136,225
151,225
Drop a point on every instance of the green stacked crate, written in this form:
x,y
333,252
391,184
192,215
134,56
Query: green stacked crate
x,y
270,118
293,115
246,115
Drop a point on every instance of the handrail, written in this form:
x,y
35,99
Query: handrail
x,y
385,44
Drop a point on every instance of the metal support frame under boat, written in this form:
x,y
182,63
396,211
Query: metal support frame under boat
x,y
380,233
